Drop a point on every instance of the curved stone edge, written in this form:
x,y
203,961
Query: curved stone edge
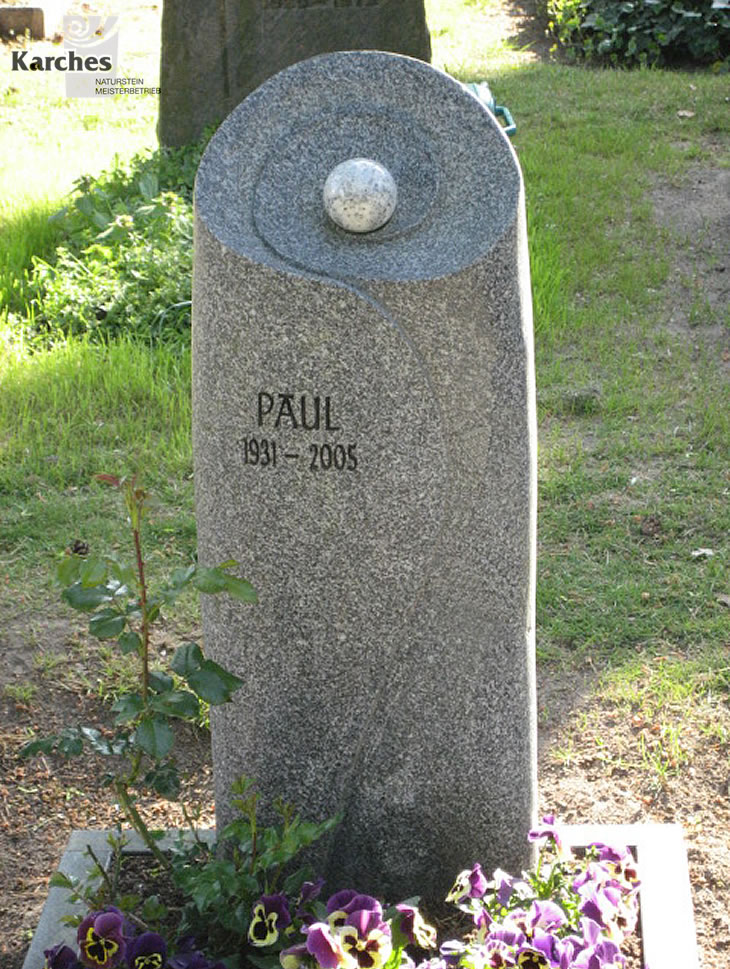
x,y
660,851
245,240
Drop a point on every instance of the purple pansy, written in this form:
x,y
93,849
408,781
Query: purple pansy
x,y
503,886
546,915
620,862
325,946
531,957
147,951
413,926
601,905
469,884
270,915
311,890
294,956
549,830
61,957
101,939
338,901
189,957
346,903
366,939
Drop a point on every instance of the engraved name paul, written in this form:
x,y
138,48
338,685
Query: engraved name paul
x,y
277,415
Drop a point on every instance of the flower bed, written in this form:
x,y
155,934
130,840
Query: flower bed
x,y
568,912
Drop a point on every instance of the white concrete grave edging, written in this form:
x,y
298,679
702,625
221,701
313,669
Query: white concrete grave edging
x,y
667,917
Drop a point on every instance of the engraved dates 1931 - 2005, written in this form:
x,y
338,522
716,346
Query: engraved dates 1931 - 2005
x,y
265,452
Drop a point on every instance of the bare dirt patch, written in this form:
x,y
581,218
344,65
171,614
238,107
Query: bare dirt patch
x,y
695,212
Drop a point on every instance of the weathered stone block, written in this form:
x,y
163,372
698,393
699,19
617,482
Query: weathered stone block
x,y
214,54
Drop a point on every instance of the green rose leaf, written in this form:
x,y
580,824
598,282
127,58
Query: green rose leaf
x,y
99,743
154,737
107,624
93,572
240,589
179,703
212,683
67,570
210,581
70,743
127,707
44,745
160,682
130,642
164,780
181,577
187,659
86,599
59,880
123,574
213,581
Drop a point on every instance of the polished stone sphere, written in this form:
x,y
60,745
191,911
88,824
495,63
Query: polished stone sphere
x,y
360,195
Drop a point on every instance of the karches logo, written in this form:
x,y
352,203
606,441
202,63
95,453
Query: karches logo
x,y
90,45
88,62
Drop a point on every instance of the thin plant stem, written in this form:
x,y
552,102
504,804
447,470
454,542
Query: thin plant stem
x,y
145,616
135,819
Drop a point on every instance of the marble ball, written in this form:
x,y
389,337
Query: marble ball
x,y
360,195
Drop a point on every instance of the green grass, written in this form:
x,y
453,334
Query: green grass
x,y
634,417
79,409
48,141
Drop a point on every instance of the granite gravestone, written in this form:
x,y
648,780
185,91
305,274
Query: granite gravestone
x,y
364,439
213,54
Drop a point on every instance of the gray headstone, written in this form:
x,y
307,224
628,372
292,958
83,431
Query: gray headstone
x,y
364,438
215,53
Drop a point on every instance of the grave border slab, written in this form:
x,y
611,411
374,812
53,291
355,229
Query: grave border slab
x,y
667,915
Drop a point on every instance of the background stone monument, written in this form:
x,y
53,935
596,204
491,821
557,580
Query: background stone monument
x,y
214,53
364,436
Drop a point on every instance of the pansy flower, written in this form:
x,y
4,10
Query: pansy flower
x,y
101,940
469,884
366,939
294,957
308,894
549,830
270,916
531,958
147,951
620,863
416,930
61,957
325,945
546,915
343,904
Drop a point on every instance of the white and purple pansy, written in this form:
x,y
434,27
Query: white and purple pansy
x,y
414,928
366,939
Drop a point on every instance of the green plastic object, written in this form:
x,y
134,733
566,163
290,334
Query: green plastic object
x,y
481,91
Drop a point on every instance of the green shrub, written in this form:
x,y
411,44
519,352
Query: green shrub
x,y
658,32
124,263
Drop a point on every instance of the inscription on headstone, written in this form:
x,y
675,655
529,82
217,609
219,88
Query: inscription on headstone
x,y
364,435
213,54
